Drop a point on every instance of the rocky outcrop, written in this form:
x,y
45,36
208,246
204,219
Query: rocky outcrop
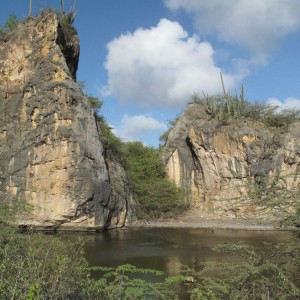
x,y
50,154
221,163
121,194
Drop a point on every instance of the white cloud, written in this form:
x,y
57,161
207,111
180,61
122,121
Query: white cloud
x,y
255,24
161,66
134,127
288,103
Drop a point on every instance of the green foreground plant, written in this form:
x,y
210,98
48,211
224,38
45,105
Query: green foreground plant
x,y
273,274
40,266
9,25
130,282
275,195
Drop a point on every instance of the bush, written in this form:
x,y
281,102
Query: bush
x,y
268,275
10,25
38,266
128,282
224,108
273,195
156,195
112,145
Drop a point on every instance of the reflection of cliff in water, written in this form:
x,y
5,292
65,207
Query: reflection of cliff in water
x,y
170,249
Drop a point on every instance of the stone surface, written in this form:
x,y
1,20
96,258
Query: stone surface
x,y
216,162
50,154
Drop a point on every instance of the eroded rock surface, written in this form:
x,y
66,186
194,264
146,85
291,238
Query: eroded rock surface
x,y
219,163
50,153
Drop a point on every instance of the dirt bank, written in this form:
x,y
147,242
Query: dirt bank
x,y
196,219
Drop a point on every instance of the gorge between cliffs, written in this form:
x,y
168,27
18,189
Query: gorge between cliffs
x,y
54,159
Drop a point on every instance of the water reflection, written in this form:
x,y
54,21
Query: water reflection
x,y
169,249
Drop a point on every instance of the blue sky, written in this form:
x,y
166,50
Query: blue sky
x,y
145,58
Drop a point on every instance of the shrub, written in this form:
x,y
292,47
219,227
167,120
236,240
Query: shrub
x,y
95,103
272,194
268,275
129,282
38,266
112,145
10,25
156,195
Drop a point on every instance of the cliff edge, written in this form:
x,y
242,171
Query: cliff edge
x,y
238,167
50,154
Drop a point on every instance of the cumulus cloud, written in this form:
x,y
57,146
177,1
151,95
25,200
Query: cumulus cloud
x,y
288,103
161,66
255,24
134,127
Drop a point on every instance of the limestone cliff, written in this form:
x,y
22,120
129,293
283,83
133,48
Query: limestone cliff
x,y
218,163
50,153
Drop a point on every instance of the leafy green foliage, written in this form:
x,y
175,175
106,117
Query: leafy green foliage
x,y
36,266
156,195
164,136
268,275
112,145
275,195
10,25
96,104
39,266
130,282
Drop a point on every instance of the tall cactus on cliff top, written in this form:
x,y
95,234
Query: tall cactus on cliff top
x,y
30,8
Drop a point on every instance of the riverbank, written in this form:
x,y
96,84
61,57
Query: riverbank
x,y
197,219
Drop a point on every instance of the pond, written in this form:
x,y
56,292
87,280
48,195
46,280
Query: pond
x,y
170,249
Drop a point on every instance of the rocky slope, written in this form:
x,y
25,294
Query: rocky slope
x,y
221,164
50,154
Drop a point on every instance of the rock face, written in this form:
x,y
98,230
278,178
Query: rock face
x,y
50,153
219,163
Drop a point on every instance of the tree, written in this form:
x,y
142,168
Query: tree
x,y
156,195
268,275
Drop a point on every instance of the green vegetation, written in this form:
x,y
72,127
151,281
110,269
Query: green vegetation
x,y
271,194
226,106
156,196
9,25
273,274
274,195
66,21
112,145
40,266
34,266
129,282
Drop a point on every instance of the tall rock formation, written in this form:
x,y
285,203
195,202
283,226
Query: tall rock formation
x,y
50,154
221,163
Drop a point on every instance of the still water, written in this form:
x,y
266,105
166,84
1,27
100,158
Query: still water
x,y
169,249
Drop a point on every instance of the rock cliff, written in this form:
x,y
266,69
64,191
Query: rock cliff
x,y
50,154
221,164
